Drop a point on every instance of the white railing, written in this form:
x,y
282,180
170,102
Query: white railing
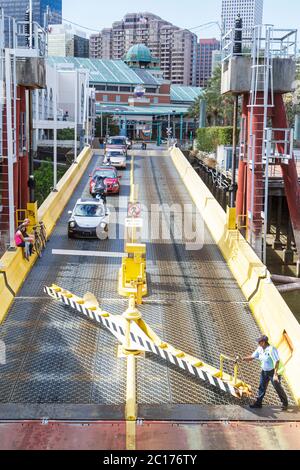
x,y
38,41
28,39
275,138
283,43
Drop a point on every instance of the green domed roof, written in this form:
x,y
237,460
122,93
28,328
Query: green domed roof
x,y
139,53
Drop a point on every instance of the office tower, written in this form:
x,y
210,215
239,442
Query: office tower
x,y
251,12
205,50
64,41
17,10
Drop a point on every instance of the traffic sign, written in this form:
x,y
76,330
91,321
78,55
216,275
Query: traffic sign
x,y
134,209
134,223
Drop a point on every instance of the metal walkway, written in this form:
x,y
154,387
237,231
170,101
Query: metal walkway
x,y
194,303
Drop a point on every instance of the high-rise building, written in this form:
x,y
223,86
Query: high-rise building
x,y
205,50
64,41
175,48
17,10
251,12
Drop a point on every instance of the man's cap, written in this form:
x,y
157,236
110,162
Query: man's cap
x,y
263,338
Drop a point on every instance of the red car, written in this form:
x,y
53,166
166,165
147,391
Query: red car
x,y
112,179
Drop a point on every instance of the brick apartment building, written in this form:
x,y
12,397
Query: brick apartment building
x,y
175,48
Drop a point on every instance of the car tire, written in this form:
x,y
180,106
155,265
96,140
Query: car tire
x,y
70,236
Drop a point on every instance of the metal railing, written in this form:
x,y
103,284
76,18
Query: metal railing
x,y
283,43
38,41
279,137
27,38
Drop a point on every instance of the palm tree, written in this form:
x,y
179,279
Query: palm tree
x,y
219,107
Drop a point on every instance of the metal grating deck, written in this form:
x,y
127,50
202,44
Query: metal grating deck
x,y
194,303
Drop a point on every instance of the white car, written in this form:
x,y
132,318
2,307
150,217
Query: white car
x,y
116,158
89,219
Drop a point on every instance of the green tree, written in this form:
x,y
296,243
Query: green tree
x,y
44,180
113,129
66,134
219,107
292,100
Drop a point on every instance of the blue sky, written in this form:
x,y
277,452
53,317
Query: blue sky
x,y
184,13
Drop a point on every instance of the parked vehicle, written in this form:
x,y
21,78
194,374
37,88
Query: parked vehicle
x,y
89,219
112,179
116,158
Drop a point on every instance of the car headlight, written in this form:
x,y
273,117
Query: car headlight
x,y
116,185
103,225
72,224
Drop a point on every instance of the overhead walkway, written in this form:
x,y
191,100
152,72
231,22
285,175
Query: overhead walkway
x,y
61,366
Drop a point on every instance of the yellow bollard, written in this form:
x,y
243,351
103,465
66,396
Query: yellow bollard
x,y
132,314
131,406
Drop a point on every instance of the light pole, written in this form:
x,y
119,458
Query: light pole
x,y
30,25
174,124
181,128
76,115
55,130
169,129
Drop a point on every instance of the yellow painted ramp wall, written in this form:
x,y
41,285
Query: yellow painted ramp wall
x,y
13,264
271,312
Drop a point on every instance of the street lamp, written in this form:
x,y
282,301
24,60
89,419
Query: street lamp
x,y
174,124
169,129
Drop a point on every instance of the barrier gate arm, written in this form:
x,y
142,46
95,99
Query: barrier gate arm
x,y
144,339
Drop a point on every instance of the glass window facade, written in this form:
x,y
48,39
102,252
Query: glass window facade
x,y
17,9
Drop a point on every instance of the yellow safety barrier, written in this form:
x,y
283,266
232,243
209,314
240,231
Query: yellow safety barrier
x,y
13,264
32,213
224,358
132,275
231,218
269,308
21,215
136,338
6,292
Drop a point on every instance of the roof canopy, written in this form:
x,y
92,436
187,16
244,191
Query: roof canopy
x,y
102,71
141,111
116,72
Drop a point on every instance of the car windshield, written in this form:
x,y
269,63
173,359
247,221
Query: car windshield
x,y
89,210
105,174
116,154
115,142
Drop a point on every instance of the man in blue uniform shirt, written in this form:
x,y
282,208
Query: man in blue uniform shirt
x,y
271,372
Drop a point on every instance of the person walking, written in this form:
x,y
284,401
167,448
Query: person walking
x,y
272,371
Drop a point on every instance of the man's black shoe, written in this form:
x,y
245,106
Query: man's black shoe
x,y
285,407
256,406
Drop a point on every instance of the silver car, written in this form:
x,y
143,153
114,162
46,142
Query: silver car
x,y
116,158
89,219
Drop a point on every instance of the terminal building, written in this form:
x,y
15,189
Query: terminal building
x,y
136,94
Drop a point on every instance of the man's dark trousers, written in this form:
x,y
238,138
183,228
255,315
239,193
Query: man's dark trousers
x,y
265,379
